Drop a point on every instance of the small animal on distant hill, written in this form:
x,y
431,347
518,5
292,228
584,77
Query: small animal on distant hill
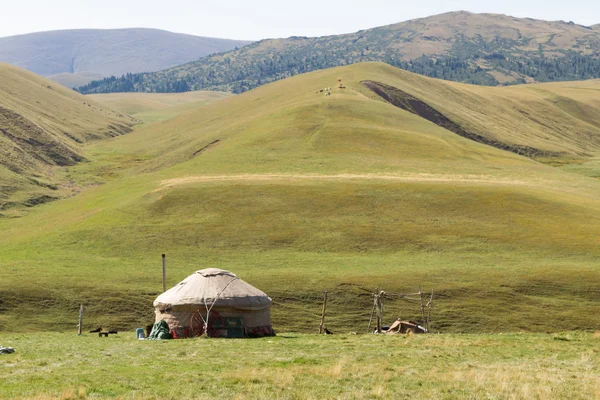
x,y
96,330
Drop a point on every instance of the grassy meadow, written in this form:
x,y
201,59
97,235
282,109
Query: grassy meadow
x,y
295,366
297,193
153,107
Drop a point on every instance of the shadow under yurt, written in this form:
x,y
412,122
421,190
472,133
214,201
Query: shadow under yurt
x,y
215,303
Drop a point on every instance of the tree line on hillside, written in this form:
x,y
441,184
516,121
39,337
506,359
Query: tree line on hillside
x,y
240,75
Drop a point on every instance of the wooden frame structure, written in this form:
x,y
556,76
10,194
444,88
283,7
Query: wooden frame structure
x,y
424,299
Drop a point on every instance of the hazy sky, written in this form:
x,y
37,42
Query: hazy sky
x,y
259,19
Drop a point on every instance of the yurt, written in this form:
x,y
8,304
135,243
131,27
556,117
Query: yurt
x,y
215,303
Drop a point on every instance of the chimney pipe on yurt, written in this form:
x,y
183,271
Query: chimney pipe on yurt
x,y
215,303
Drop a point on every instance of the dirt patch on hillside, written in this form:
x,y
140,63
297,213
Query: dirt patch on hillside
x,y
477,179
207,147
413,105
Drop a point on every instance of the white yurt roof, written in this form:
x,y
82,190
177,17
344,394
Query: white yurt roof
x,y
217,286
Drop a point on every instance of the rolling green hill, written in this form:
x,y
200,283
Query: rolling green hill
x,y
75,57
44,126
486,49
298,192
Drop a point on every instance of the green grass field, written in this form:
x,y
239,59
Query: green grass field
x,y
295,366
297,193
153,107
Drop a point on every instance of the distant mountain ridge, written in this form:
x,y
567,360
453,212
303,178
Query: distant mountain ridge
x,y
487,49
75,57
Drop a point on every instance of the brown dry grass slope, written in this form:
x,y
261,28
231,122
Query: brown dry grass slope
x,y
44,125
437,35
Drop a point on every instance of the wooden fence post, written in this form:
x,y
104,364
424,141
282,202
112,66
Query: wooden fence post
x,y
379,300
422,307
322,326
429,307
372,313
164,272
80,325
